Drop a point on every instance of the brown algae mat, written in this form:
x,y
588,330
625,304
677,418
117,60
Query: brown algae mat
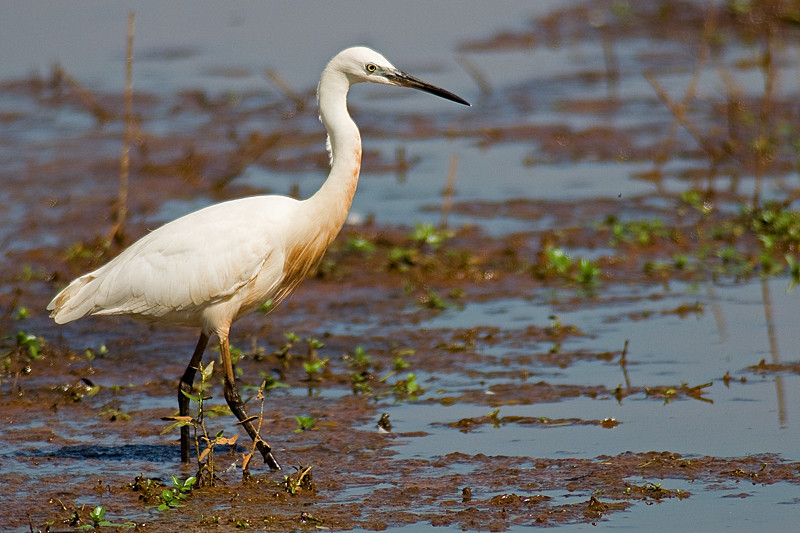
x,y
82,406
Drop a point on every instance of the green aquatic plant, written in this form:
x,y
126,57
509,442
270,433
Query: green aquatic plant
x,y
300,479
399,364
313,347
172,498
304,423
557,261
638,232
588,274
97,515
360,382
428,234
359,358
431,300
91,354
696,200
283,354
114,414
360,245
312,367
408,388
681,262
30,344
402,259
266,307
775,221
495,418
204,443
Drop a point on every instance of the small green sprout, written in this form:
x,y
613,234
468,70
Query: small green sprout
x,y
407,388
114,414
411,386
402,259
769,266
494,416
400,364
91,354
283,354
97,515
695,200
313,347
301,479
588,273
729,254
98,520
428,234
266,307
558,261
304,423
432,300
360,382
361,245
313,367
359,358
31,344
680,261
171,498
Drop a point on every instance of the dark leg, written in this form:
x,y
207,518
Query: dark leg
x,y
236,405
186,384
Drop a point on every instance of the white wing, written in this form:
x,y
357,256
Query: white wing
x,y
195,260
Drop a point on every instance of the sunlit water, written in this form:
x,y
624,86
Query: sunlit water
x,y
183,45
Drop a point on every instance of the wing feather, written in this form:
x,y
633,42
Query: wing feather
x,y
195,260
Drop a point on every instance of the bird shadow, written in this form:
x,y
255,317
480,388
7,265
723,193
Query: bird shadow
x,y
129,452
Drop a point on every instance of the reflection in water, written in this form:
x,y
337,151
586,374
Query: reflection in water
x,y
773,350
719,315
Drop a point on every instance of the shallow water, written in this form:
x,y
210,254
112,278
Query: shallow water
x,y
552,147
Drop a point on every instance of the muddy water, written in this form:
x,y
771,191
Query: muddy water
x,y
659,389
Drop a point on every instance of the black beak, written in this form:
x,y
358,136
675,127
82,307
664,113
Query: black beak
x,y
404,80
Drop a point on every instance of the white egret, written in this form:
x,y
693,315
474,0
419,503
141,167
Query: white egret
x,y
212,266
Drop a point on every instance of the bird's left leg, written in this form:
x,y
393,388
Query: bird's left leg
x,y
237,406
186,384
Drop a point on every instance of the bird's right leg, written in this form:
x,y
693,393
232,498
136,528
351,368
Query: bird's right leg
x,y
186,384
237,406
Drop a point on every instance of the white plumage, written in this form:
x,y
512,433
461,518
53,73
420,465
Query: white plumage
x,y
198,261
214,265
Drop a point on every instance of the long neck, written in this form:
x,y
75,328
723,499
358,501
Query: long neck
x,y
333,199
326,211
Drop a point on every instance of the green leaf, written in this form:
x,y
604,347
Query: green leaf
x,y
178,424
207,371
192,397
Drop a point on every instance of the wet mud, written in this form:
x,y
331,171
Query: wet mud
x,y
82,406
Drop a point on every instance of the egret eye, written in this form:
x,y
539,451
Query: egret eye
x,y
371,67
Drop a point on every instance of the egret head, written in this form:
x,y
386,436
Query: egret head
x,y
361,64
